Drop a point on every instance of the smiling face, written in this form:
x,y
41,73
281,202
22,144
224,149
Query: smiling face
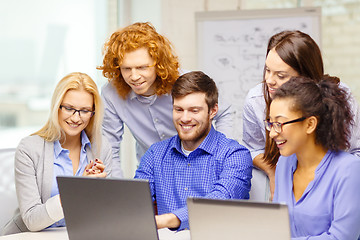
x,y
73,124
139,72
192,119
277,72
293,137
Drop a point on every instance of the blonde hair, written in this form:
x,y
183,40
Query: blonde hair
x,y
133,37
52,131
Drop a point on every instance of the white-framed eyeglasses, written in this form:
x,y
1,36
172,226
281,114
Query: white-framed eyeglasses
x,y
83,113
278,126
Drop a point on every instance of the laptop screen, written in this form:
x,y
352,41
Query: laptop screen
x,y
214,219
99,208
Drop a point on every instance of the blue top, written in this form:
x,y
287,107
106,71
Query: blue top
x,y
329,207
63,166
218,168
148,118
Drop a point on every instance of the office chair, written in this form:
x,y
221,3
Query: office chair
x,y
8,199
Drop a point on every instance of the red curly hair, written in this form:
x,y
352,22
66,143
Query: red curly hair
x,y
133,37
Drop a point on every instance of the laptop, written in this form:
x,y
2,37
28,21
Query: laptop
x,y
101,208
213,219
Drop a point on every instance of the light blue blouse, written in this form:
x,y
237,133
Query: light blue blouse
x,y
63,166
330,206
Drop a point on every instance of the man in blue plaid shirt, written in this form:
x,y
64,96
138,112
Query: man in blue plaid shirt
x,y
199,161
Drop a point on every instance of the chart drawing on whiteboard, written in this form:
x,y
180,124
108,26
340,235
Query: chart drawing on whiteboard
x,y
232,51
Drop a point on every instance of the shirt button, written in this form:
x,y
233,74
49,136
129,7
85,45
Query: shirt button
x,y
186,189
189,164
156,120
162,136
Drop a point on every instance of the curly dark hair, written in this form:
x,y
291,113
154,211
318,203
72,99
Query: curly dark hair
x,y
327,102
133,37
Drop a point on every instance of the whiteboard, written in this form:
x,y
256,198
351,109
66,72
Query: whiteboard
x,y
232,46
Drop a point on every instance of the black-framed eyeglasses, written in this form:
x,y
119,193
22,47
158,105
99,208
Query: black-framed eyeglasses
x,y
278,126
83,113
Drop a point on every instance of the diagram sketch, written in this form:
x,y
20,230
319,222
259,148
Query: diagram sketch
x,y
232,52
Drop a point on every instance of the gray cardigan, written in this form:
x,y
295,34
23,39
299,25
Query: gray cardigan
x,y
34,160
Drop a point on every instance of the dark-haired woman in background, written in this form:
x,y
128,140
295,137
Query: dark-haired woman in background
x,y
289,54
309,122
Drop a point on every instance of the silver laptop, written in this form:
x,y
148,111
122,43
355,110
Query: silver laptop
x,y
98,208
212,219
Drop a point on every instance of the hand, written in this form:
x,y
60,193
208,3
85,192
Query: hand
x,y
95,169
167,220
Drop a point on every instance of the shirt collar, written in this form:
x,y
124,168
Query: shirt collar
x,y
57,148
324,162
151,99
84,143
208,145
132,95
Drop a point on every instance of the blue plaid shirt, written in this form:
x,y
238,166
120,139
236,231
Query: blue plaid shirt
x,y
218,168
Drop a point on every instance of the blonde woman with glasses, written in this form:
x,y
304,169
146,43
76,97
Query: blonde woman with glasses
x,y
69,144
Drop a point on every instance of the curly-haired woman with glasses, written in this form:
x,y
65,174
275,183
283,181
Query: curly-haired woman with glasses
x,y
69,144
289,54
310,125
